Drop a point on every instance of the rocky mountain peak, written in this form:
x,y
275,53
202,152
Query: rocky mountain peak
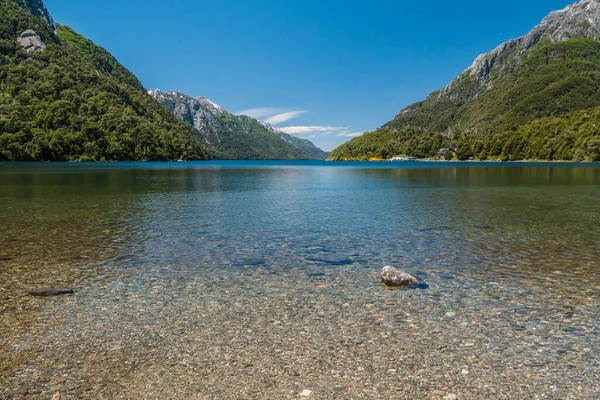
x,y
215,108
577,20
38,8
231,136
199,112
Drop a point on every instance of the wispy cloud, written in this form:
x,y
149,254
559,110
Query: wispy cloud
x,y
313,131
283,117
301,130
349,134
260,112
275,116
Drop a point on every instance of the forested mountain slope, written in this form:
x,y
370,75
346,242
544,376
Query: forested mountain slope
x,y
520,101
235,137
63,98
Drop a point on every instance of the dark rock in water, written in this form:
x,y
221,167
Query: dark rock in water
x,y
250,262
330,259
394,277
49,292
422,285
2,258
435,229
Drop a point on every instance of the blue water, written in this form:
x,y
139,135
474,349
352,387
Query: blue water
x,y
526,219
511,250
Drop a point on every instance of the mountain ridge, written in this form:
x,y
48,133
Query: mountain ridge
x,y
552,71
67,99
304,145
578,20
37,8
230,136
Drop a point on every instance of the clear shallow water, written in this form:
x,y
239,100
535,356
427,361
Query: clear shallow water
x,y
509,250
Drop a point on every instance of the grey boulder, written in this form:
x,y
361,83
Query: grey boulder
x,y
394,277
31,41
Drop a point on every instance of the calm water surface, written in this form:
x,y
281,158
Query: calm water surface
x,y
521,238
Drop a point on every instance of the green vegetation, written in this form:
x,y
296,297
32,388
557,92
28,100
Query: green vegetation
x,y
74,101
243,138
227,136
539,105
306,147
385,144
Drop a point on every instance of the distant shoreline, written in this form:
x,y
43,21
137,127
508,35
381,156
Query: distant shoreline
x,y
467,161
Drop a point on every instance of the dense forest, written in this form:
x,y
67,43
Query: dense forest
x,y
541,105
73,101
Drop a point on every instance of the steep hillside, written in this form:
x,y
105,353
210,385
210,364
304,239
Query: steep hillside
x,y
232,137
549,73
63,98
304,145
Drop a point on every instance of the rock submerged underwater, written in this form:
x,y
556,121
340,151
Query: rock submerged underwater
x,y
49,292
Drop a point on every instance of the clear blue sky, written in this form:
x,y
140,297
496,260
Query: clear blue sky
x,y
338,67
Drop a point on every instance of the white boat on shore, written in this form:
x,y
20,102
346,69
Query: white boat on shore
x,y
402,159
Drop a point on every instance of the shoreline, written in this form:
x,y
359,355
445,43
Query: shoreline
x,y
441,160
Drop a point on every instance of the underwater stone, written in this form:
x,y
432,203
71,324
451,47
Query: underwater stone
x,y
49,292
394,277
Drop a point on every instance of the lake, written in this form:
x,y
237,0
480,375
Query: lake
x,y
252,280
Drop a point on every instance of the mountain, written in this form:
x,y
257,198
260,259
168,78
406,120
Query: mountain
x,y
304,145
37,8
62,98
495,108
234,137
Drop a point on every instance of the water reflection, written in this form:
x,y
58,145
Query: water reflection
x,y
539,218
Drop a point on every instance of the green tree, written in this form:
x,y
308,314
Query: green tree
x,y
593,149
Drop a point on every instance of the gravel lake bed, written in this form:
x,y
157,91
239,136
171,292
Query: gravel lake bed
x,y
248,281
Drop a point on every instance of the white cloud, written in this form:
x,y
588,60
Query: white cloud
x,y
275,116
349,134
283,117
300,130
313,131
260,112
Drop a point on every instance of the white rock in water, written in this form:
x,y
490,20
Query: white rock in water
x,y
306,393
394,277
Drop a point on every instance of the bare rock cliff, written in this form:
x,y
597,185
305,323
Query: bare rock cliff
x,y
38,9
578,20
